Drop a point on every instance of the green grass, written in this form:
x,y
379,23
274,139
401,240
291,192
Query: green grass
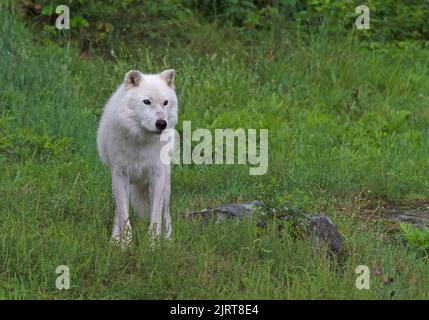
x,y
344,123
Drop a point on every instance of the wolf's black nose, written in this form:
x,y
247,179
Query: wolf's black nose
x,y
161,124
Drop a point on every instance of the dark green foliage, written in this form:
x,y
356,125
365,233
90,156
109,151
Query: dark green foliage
x,y
113,27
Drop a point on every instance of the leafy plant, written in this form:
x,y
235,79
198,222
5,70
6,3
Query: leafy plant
x,y
275,208
417,238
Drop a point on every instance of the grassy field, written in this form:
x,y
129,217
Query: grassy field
x,y
347,125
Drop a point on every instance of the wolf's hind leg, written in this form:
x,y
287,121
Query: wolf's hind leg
x,y
139,195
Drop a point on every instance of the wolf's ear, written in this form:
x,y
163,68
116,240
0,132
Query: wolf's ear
x,y
133,78
168,76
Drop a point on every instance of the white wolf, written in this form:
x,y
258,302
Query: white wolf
x,y
128,141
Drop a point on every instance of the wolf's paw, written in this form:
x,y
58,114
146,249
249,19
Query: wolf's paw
x,y
121,241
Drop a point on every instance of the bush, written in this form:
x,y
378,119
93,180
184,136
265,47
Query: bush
x,y
109,26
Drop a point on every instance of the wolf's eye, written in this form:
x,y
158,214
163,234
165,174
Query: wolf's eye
x,y
165,102
146,102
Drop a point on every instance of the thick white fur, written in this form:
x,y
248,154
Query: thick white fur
x,y
129,144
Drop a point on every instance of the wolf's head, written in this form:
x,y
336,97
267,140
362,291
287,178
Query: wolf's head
x,y
151,99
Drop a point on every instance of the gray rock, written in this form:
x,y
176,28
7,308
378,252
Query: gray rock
x,y
326,232
318,226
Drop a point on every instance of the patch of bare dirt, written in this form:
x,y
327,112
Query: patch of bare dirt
x,y
415,212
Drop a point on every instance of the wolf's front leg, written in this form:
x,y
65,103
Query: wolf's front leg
x,y
122,227
166,205
156,197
